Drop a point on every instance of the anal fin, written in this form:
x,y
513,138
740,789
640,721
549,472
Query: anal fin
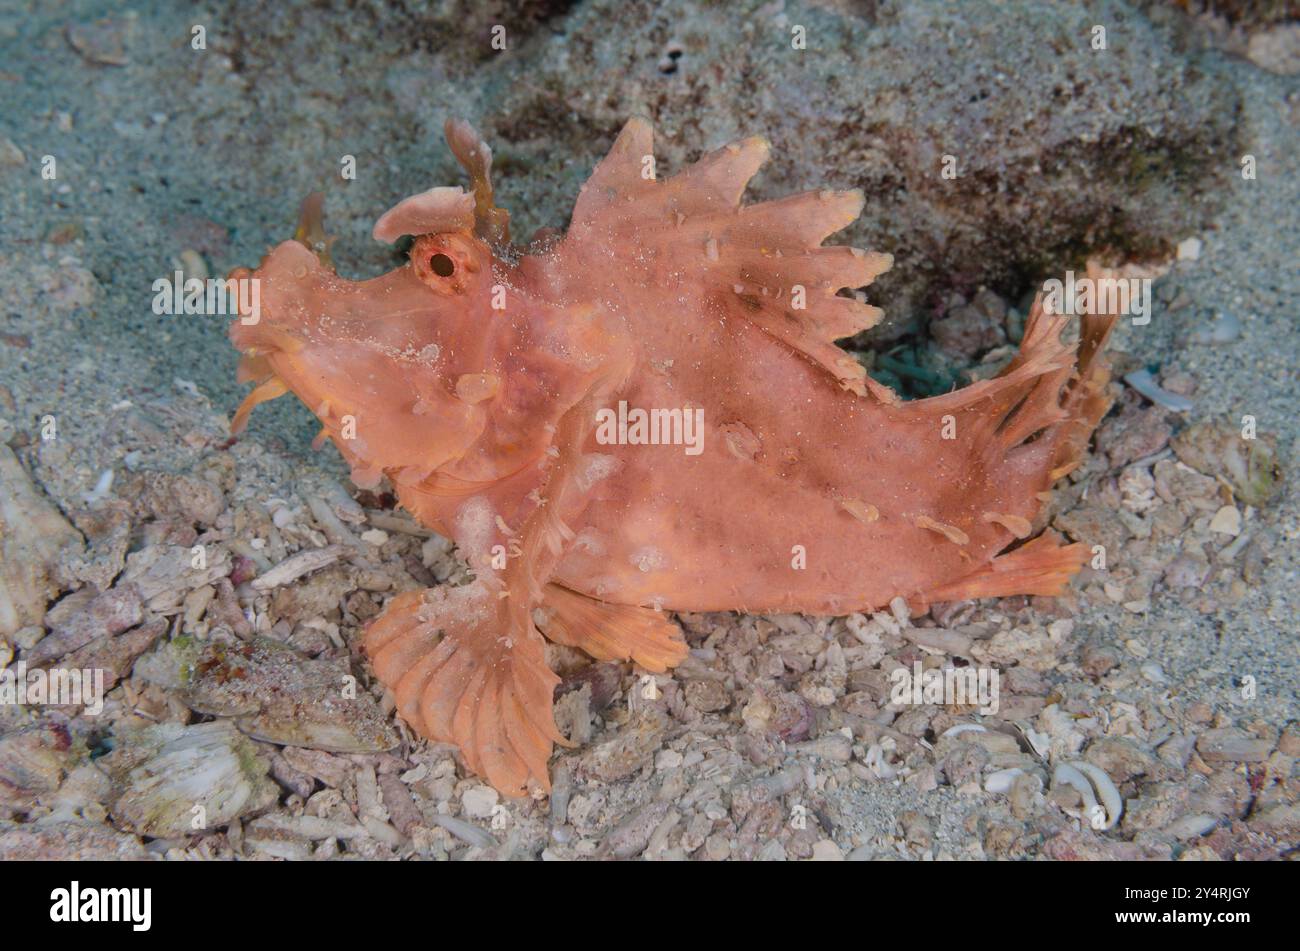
x,y
613,631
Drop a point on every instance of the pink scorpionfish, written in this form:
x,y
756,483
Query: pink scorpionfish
x,y
650,414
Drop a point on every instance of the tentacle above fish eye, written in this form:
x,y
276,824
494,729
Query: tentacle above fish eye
x,y
310,232
448,263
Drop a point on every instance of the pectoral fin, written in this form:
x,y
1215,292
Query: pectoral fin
x,y
462,672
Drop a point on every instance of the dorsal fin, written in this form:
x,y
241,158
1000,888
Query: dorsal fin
x,y
763,263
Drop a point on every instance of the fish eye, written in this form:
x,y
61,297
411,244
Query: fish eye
x,y
445,263
442,265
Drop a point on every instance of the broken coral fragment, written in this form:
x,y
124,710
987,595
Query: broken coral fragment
x,y
174,780
33,536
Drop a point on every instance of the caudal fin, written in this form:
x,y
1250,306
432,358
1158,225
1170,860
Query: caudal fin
x,y
1023,430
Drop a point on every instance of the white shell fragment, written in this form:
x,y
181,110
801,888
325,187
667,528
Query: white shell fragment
x,y
1000,781
960,728
1145,383
295,566
1225,328
1091,781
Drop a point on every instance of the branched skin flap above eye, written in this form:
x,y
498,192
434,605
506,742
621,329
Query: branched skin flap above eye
x,y
449,263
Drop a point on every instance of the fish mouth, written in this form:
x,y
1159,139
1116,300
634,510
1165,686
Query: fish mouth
x,y
259,342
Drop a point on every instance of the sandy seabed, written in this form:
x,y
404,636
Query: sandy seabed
x,y
127,154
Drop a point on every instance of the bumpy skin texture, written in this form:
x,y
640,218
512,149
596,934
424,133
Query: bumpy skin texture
x,y
473,376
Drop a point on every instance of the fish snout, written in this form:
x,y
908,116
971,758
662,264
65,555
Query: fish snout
x,y
276,306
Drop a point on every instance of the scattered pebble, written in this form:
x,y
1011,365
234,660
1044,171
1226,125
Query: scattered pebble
x,y
479,801
11,156
1226,521
104,41
1189,249
1225,328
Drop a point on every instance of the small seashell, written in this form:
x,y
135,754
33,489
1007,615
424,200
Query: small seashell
x,y
1226,521
465,831
295,566
961,728
877,760
102,487
193,266
1154,673
1225,329
1041,743
331,523
1250,465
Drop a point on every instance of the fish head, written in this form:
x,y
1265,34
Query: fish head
x,y
397,368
